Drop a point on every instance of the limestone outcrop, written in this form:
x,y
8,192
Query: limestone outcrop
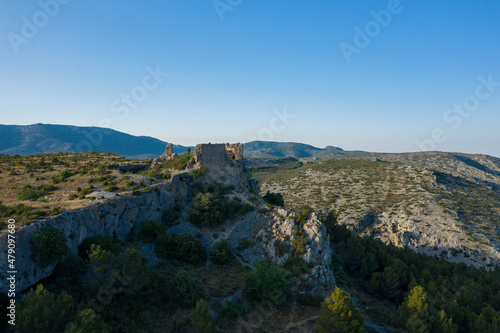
x,y
276,240
167,155
117,217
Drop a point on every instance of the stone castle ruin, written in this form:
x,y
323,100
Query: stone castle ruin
x,y
223,161
218,155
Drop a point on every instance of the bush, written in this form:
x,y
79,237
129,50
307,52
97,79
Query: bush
x,y
275,199
209,209
150,230
22,213
88,321
178,162
185,289
202,319
29,193
206,210
310,300
199,172
169,216
49,245
61,176
300,241
303,215
231,310
267,284
296,265
244,244
180,247
281,247
222,253
107,243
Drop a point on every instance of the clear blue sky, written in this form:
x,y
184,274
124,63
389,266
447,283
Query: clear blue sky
x,y
232,65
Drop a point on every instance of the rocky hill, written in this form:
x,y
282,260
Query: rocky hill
x,y
45,138
192,227
436,203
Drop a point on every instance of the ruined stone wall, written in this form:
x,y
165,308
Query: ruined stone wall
x,y
235,151
167,155
224,163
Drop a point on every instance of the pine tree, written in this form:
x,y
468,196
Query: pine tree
x,y
339,314
414,312
202,319
89,322
443,324
44,312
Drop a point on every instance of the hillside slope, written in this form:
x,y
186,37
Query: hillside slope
x,y
45,138
436,203
271,149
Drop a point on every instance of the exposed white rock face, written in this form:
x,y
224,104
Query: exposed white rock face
x,y
119,216
278,234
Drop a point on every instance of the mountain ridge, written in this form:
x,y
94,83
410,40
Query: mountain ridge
x,y
48,138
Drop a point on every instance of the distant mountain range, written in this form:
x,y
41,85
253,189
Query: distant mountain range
x,y
44,138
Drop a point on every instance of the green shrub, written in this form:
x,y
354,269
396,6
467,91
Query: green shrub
x,y
267,284
202,319
300,241
222,253
209,209
275,199
112,188
206,210
88,321
180,247
22,213
49,245
61,176
231,310
178,162
156,175
310,300
281,248
169,216
28,193
303,215
296,265
198,172
244,244
107,243
150,230
185,289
